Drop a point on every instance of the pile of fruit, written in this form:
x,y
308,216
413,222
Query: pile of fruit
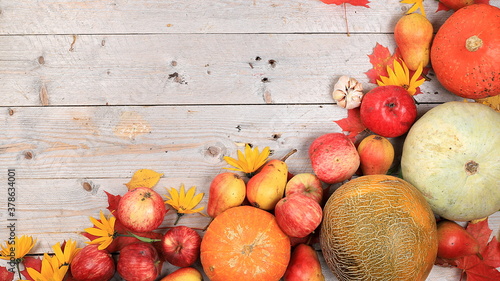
x,y
266,221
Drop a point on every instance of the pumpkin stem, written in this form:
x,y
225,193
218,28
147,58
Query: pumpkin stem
x,y
473,43
471,167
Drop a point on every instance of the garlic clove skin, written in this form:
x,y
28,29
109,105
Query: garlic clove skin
x,y
348,92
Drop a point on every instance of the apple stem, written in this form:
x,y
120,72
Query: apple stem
x,y
288,154
143,239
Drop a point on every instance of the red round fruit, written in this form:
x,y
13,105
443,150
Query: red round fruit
x,y
298,215
181,246
141,210
388,111
138,262
334,158
92,264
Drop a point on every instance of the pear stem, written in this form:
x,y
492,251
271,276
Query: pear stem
x,y
288,154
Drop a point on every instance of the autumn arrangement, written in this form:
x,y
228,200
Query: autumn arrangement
x,y
383,221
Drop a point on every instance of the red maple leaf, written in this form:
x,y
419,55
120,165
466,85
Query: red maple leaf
x,y
352,124
363,3
5,274
113,201
32,262
443,7
380,58
481,268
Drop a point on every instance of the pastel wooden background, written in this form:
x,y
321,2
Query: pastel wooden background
x,y
92,91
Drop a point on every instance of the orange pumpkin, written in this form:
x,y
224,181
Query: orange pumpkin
x,y
244,243
378,227
465,53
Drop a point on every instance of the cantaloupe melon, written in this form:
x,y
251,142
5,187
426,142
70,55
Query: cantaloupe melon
x,y
378,227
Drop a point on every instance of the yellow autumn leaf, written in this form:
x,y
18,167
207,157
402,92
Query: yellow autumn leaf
x,y
493,102
144,178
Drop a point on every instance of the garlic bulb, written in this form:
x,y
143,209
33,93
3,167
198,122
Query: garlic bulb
x,y
348,92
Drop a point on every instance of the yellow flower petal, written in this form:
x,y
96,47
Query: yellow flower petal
x,y
195,200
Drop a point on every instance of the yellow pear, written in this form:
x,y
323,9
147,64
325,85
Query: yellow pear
x,y
413,35
226,190
267,187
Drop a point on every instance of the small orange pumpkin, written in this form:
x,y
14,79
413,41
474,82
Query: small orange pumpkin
x,y
244,243
465,53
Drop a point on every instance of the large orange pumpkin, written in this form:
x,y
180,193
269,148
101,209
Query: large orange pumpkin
x,y
244,243
465,53
378,227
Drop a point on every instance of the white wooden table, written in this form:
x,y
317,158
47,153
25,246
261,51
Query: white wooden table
x,y
92,91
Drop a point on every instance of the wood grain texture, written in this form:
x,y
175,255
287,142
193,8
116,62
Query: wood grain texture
x,y
92,91
181,141
187,68
221,16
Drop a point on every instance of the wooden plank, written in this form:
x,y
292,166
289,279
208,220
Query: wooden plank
x,y
181,141
190,16
187,68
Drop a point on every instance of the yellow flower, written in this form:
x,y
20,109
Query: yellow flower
x,y
399,75
417,4
184,202
65,257
51,269
19,247
249,162
104,229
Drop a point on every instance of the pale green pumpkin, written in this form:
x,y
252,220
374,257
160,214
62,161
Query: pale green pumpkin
x,y
452,155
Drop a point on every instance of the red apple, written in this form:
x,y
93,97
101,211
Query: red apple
x,y
304,265
92,264
388,111
298,215
307,184
334,158
138,262
181,246
141,210
184,274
